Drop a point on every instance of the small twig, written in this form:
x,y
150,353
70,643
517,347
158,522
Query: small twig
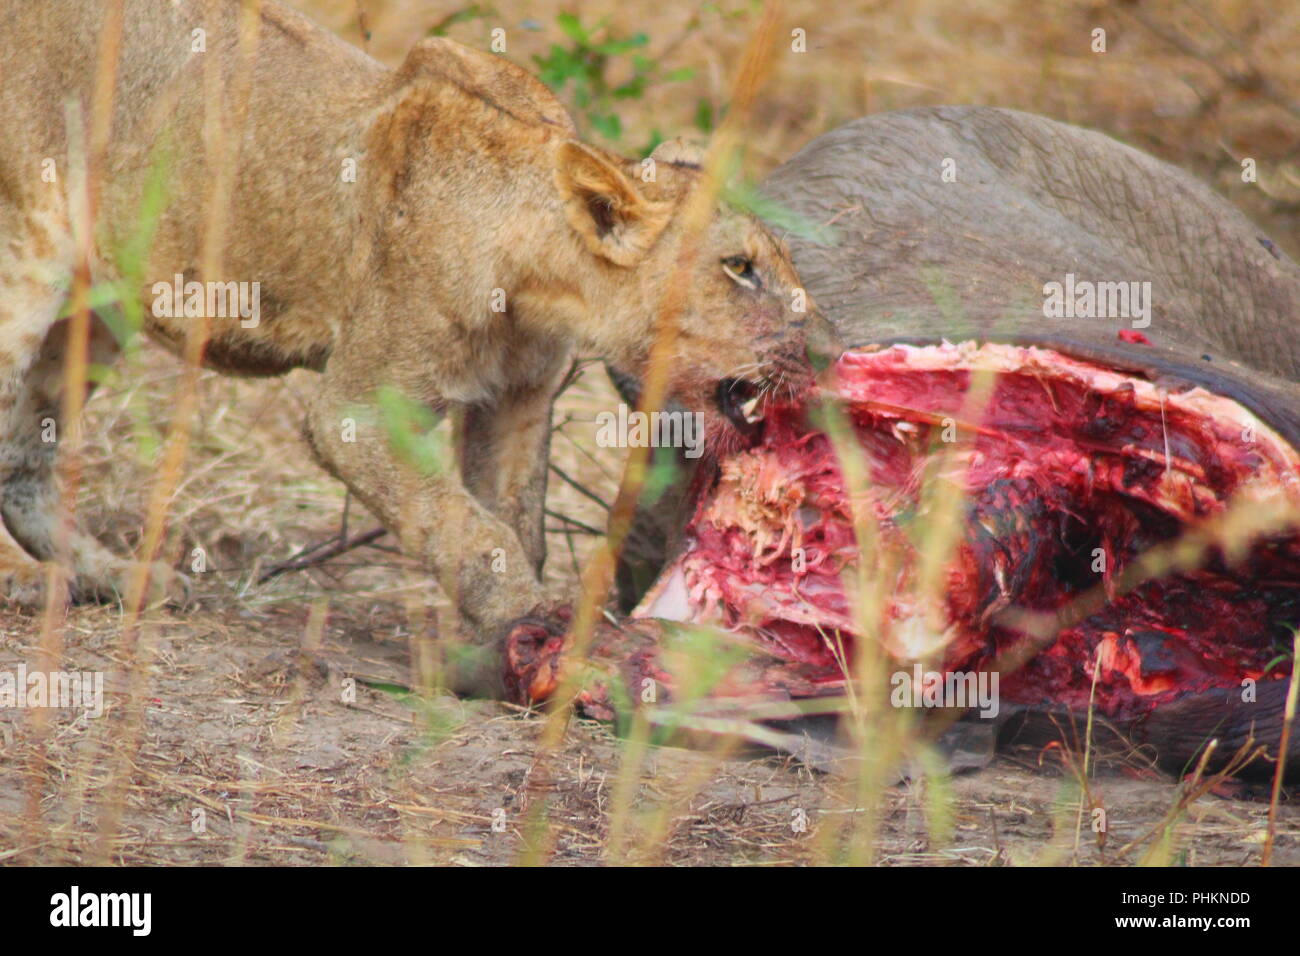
x,y
320,554
581,526
1195,788
586,453
576,368
574,483
341,536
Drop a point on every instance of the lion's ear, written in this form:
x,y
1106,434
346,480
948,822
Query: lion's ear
x,y
604,206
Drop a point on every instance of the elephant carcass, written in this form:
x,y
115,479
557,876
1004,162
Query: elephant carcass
x,y
1097,355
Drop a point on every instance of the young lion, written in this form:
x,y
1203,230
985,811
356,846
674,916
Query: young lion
x,y
437,229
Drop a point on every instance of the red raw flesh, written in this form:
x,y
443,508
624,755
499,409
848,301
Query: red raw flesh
x,y
1061,458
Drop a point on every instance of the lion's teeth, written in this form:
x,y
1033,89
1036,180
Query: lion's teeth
x,y
750,410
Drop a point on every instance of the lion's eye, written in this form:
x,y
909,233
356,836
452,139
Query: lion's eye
x,y
741,271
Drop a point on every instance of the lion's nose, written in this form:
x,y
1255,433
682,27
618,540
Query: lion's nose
x,y
824,345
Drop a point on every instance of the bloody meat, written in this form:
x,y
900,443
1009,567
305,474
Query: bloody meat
x,y
1069,471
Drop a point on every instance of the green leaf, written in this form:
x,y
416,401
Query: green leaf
x,y
573,28
632,89
410,430
617,47
656,137
473,12
607,125
704,116
662,475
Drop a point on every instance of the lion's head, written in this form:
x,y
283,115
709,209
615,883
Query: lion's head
x,y
745,331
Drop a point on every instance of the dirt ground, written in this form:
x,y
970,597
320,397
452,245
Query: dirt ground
x,y
246,758
246,751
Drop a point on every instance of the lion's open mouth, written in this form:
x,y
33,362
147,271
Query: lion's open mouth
x,y
741,402
1066,472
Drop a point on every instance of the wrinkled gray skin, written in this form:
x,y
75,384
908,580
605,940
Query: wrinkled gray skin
x,y
919,259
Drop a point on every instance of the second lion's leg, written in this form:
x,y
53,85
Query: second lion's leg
x,y
30,499
29,306
36,257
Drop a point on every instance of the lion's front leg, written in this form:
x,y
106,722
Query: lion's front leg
x,y
478,558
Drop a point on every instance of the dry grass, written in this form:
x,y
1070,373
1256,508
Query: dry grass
x,y
285,771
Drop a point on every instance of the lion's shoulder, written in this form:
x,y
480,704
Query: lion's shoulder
x,y
487,77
